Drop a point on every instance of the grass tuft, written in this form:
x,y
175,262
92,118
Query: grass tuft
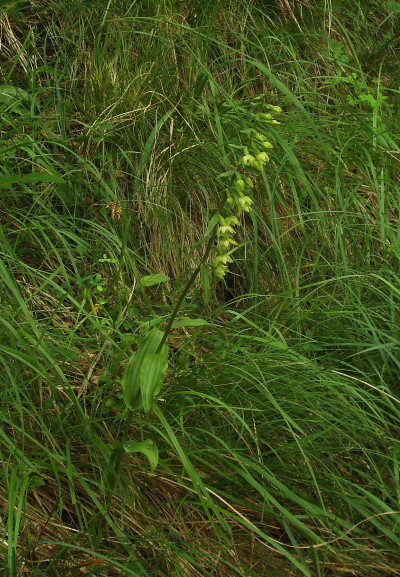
x,y
277,427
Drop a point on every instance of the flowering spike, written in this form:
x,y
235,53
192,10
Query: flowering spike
x,y
238,200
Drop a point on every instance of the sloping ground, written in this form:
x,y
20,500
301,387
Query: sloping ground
x,y
277,427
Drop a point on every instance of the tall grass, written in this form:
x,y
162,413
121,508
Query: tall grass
x,y
278,424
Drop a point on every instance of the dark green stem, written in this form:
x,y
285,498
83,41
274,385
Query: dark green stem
x,y
116,456
191,280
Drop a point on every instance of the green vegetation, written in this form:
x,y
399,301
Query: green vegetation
x,y
267,444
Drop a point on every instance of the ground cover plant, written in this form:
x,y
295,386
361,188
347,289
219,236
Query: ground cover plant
x,y
268,444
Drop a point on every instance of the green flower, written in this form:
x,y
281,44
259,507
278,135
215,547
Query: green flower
x,y
223,230
225,243
222,259
245,203
232,220
248,159
258,165
262,157
237,201
220,271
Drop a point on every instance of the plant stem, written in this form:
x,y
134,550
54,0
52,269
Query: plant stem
x,y
191,280
116,454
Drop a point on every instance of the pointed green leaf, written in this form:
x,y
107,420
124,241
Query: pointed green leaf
x,y
188,322
10,94
152,373
147,447
34,177
131,380
150,142
153,279
131,384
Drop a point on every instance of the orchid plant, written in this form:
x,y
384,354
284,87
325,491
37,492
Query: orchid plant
x,y
145,371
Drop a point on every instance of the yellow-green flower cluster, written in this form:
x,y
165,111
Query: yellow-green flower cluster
x,y
225,240
238,199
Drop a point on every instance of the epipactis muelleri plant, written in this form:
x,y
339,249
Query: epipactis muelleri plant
x,y
145,371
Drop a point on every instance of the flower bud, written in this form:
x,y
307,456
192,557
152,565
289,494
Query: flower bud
x,y
240,184
260,137
265,116
248,181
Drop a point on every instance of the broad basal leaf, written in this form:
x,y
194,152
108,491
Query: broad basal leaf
x,y
153,369
147,448
133,382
